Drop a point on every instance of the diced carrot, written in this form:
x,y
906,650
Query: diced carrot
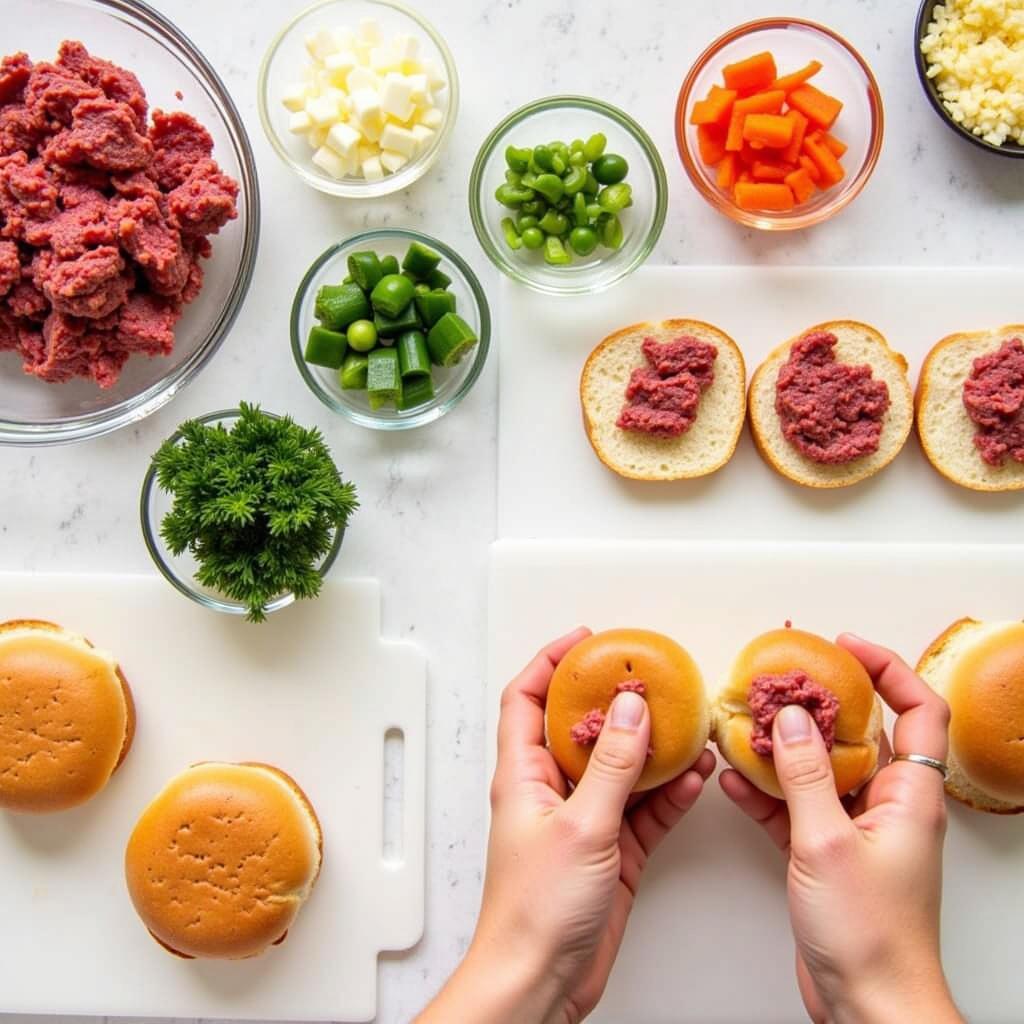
x,y
727,171
770,170
817,106
792,152
751,75
800,182
769,129
837,146
757,196
791,81
810,167
744,176
711,142
748,155
760,103
715,108
831,169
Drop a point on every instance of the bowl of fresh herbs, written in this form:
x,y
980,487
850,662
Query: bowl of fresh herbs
x,y
244,511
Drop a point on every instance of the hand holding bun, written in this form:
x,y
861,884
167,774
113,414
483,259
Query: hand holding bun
x,y
802,665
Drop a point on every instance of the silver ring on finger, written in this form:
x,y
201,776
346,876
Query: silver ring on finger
x,y
929,762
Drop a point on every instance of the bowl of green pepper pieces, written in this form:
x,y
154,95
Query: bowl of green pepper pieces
x,y
390,328
568,195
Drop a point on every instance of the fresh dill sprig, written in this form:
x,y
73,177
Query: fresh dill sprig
x,y
256,505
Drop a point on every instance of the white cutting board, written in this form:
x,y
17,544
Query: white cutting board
x,y
709,939
550,483
313,690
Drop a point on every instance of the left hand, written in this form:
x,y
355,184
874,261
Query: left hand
x,y
562,870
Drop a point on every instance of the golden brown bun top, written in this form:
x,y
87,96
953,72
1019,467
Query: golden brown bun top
x,y
854,755
66,717
587,679
221,861
986,699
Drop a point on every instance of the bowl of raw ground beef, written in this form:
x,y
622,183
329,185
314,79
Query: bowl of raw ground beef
x,y
129,216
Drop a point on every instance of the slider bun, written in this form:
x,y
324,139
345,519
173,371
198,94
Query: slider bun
x,y
858,725
978,667
66,717
221,861
586,679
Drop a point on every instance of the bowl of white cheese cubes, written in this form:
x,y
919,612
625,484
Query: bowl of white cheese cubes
x,y
358,97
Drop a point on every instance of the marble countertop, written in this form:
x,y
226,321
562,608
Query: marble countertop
x,y
428,497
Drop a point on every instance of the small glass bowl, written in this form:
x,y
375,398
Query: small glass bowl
x,y
450,385
845,74
179,570
567,118
287,56
925,15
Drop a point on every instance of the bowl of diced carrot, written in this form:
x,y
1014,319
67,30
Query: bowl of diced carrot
x,y
779,124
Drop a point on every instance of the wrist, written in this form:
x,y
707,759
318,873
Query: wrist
x,y
911,994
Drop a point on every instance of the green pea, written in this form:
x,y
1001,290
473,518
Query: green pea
x,y
559,163
517,159
577,160
542,157
361,335
533,238
550,187
594,146
554,223
555,253
524,221
513,177
576,146
583,240
593,211
610,169
528,180
611,232
511,195
512,239
535,207
574,181
615,198
591,187
579,210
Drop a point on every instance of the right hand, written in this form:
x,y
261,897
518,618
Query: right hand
x,y
864,885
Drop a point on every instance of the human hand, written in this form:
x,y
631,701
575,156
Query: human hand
x,y
562,870
864,881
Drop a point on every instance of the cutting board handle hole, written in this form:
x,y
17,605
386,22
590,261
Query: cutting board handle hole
x,y
394,802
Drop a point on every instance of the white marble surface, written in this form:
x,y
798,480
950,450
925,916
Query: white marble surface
x,y
428,497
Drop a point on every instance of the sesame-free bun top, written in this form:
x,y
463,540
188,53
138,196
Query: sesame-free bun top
x,y
854,754
221,861
587,679
66,717
978,667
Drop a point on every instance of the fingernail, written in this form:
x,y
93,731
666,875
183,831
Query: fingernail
x,y
627,711
794,724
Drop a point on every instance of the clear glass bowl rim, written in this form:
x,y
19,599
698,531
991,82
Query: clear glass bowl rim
x,y
355,188
132,410
765,220
433,410
155,546
510,267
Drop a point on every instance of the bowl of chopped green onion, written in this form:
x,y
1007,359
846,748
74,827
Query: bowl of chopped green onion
x,y
390,329
244,511
568,195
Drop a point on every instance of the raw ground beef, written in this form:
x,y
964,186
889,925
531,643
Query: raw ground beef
x,y
993,397
586,731
662,398
104,217
830,412
769,694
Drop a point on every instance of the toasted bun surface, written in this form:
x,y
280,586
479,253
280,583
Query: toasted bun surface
x,y
66,717
706,446
858,725
223,858
858,344
946,431
586,679
978,667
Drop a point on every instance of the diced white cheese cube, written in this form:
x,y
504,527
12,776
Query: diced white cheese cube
x,y
369,31
372,169
392,161
398,140
368,150
336,96
435,76
343,139
363,78
382,58
294,95
317,136
344,38
320,43
419,90
323,110
432,118
406,47
329,162
342,61
299,122
396,96
366,107
423,135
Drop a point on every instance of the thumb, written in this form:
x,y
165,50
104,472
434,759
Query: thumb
x,y
805,774
615,765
